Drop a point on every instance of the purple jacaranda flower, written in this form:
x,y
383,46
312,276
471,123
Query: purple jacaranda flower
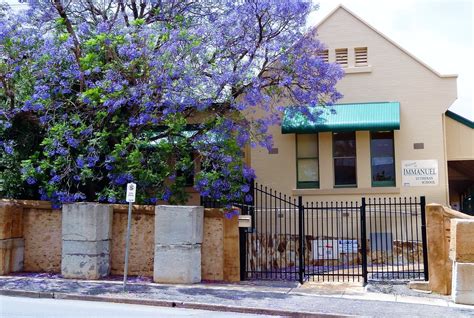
x,y
8,148
248,198
80,162
166,195
55,179
79,196
31,180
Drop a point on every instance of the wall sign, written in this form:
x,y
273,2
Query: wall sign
x,y
348,246
325,249
419,173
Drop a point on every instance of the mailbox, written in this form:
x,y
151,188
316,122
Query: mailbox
x,y
245,221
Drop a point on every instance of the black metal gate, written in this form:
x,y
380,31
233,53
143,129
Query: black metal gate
x,y
374,239
396,238
333,238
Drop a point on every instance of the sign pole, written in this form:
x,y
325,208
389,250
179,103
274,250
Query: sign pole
x,y
130,198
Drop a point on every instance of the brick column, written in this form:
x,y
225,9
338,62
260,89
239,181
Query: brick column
x,y
86,235
178,239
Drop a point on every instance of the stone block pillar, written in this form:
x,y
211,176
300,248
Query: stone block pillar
x,y
12,244
437,232
178,240
86,235
461,252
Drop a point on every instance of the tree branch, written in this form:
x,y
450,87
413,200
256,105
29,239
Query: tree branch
x,y
77,47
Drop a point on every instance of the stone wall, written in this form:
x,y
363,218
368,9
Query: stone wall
x,y
213,261
220,248
438,232
461,252
41,229
403,252
42,234
11,238
140,261
280,251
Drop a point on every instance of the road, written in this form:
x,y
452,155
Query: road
x,y
16,307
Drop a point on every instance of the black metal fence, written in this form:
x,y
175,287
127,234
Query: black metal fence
x,y
396,232
376,239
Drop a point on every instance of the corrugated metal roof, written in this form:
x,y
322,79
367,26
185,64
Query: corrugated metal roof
x,y
343,117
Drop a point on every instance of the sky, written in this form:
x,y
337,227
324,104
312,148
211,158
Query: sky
x,y
438,32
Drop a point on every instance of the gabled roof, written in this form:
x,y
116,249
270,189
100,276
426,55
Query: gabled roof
x,y
460,119
341,7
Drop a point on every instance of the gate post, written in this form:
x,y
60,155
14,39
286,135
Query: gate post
x,y
363,243
247,208
302,238
243,253
423,237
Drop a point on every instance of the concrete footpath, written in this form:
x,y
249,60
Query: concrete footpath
x,y
270,298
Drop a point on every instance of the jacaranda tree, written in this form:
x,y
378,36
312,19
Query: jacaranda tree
x,y
95,94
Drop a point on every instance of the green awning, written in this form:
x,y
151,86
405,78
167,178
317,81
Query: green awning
x,y
343,117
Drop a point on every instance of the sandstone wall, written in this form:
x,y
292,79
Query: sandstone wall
x,y
220,247
42,234
141,254
12,244
41,228
461,252
212,261
438,232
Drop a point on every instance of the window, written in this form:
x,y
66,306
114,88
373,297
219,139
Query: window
x,y
360,56
324,55
382,158
307,161
344,153
341,57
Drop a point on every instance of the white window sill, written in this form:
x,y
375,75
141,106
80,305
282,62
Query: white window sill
x,y
346,191
358,69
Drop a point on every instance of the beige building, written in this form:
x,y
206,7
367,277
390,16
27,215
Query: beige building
x,y
460,156
389,136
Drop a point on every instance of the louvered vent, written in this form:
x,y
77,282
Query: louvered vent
x,y
341,57
360,56
324,55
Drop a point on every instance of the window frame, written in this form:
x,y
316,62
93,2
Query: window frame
x,y
381,184
346,157
306,184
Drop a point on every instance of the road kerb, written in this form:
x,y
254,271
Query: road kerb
x,y
25,293
169,303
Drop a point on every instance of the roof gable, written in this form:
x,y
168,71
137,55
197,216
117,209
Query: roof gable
x,y
460,119
341,7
